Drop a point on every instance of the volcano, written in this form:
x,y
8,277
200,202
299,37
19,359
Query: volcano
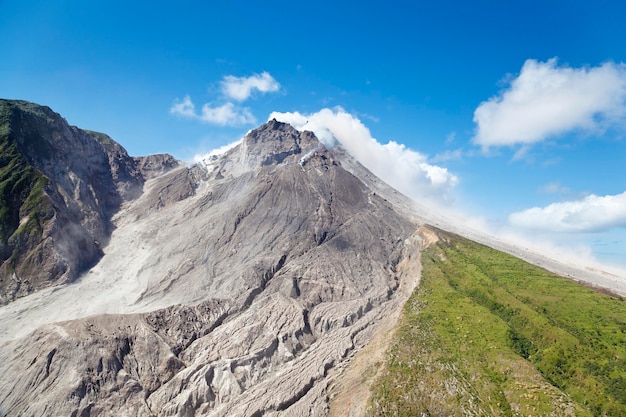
x,y
239,286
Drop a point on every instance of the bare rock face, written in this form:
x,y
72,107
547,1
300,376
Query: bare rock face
x,y
60,185
273,142
230,289
103,364
154,165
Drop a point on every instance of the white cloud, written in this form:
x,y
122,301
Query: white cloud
x,y
591,214
547,100
227,114
241,88
407,170
184,108
217,151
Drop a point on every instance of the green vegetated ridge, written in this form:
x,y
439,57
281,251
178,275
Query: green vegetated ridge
x,y
101,138
23,204
488,334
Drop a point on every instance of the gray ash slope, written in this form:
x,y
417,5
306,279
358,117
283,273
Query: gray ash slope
x,y
232,288
59,187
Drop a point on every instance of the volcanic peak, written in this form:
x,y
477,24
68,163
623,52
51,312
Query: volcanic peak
x,y
274,142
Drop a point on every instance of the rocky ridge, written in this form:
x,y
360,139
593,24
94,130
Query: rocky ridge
x,y
59,188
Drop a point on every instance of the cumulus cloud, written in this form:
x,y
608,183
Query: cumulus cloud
x,y
184,108
408,171
227,114
590,214
241,88
546,100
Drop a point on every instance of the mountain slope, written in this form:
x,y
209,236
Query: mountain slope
x,y
505,338
248,279
241,286
59,187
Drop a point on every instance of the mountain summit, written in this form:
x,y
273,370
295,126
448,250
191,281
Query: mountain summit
x,y
231,287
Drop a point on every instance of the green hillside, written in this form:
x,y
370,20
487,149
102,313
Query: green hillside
x,y
23,205
487,334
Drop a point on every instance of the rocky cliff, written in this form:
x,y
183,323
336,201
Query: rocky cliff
x,y
237,287
59,187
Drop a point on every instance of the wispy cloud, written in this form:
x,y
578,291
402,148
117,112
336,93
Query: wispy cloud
x,y
448,155
405,169
546,100
241,88
204,157
227,114
590,214
555,187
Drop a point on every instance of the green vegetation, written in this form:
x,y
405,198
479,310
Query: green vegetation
x,y
23,204
488,334
101,137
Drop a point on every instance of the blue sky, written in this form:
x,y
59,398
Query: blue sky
x,y
512,114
